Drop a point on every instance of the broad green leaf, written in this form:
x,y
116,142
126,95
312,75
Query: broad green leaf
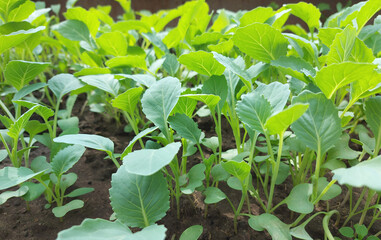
x,y
279,122
100,229
202,62
171,65
216,85
85,16
106,82
41,110
213,195
362,86
128,100
13,39
34,192
3,154
159,100
192,233
305,48
142,134
11,176
373,116
195,178
146,162
257,15
342,150
136,61
347,231
223,47
185,106
74,30
335,76
327,35
239,170
261,41
22,11
364,174
366,12
92,71
361,52
34,127
254,110
79,192
211,143
185,127
17,127
19,73
342,45
4,196
207,38
295,67
139,201
333,191
66,158
233,67
307,12
298,199
125,26
62,84
221,21
319,127
88,140
156,41
6,6
276,228
67,180
27,90
113,43
276,93
300,232
142,79
210,100
69,123
61,211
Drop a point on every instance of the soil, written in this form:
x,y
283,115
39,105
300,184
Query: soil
x,y
16,223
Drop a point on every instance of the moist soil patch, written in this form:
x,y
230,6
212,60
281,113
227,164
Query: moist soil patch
x,y
16,222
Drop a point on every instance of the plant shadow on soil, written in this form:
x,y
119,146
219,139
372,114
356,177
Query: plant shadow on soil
x,y
93,170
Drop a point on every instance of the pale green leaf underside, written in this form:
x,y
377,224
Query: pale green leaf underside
x,y
87,140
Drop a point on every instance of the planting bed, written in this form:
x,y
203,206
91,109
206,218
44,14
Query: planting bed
x,y
186,124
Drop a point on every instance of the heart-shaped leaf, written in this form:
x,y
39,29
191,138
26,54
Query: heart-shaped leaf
x,y
298,199
62,84
202,62
276,228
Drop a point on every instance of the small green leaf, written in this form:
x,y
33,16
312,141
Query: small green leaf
x,y
16,128
276,93
142,134
4,196
307,12
62,84
373,114
128,100
298,199
276,228
366,12
139,201
333,191
66,158
27,90
213,195
15,38
88,140
300,232
34,192
106,82
202,62
239,170
113,43
232,66
261,41
74,30
11,176
22,11
195,177
295,67
61,211
171,65
210,100
41,110
146,162
185,106
365,173
257,15
79,192
135,61
185,127
19,73
347,232
192,233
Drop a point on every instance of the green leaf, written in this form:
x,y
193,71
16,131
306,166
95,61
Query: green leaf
x,y
295,67
276,228
347,232
34,127
361,230
92,71
373,115
62,84
185,106
41,110
21,122
34,192
365,173
210,100
223,47
342,150
333,191
276,93
27,90
261,41
307,12
360,87
306,49
125,26
279,122
366,12
19,73
4,196
319,127
67,180
159,100
213,195
192,233
298,199
239,170
79,192
257,15
342,45
139,201
254,110
216,85
232,66
335,76
22,11
143,133
88,140
128,100
185,127
146,162
135,61
106,82
11,176
66,158
207,38
171,65
300,232
61,211
195,178
327,35
202,62
74,30
87,17
113,43
3,154
15,38
142,79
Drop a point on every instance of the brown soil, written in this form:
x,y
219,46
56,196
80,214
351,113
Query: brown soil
x,y
93,170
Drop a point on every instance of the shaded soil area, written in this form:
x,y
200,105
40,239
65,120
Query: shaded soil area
x,y
94,171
